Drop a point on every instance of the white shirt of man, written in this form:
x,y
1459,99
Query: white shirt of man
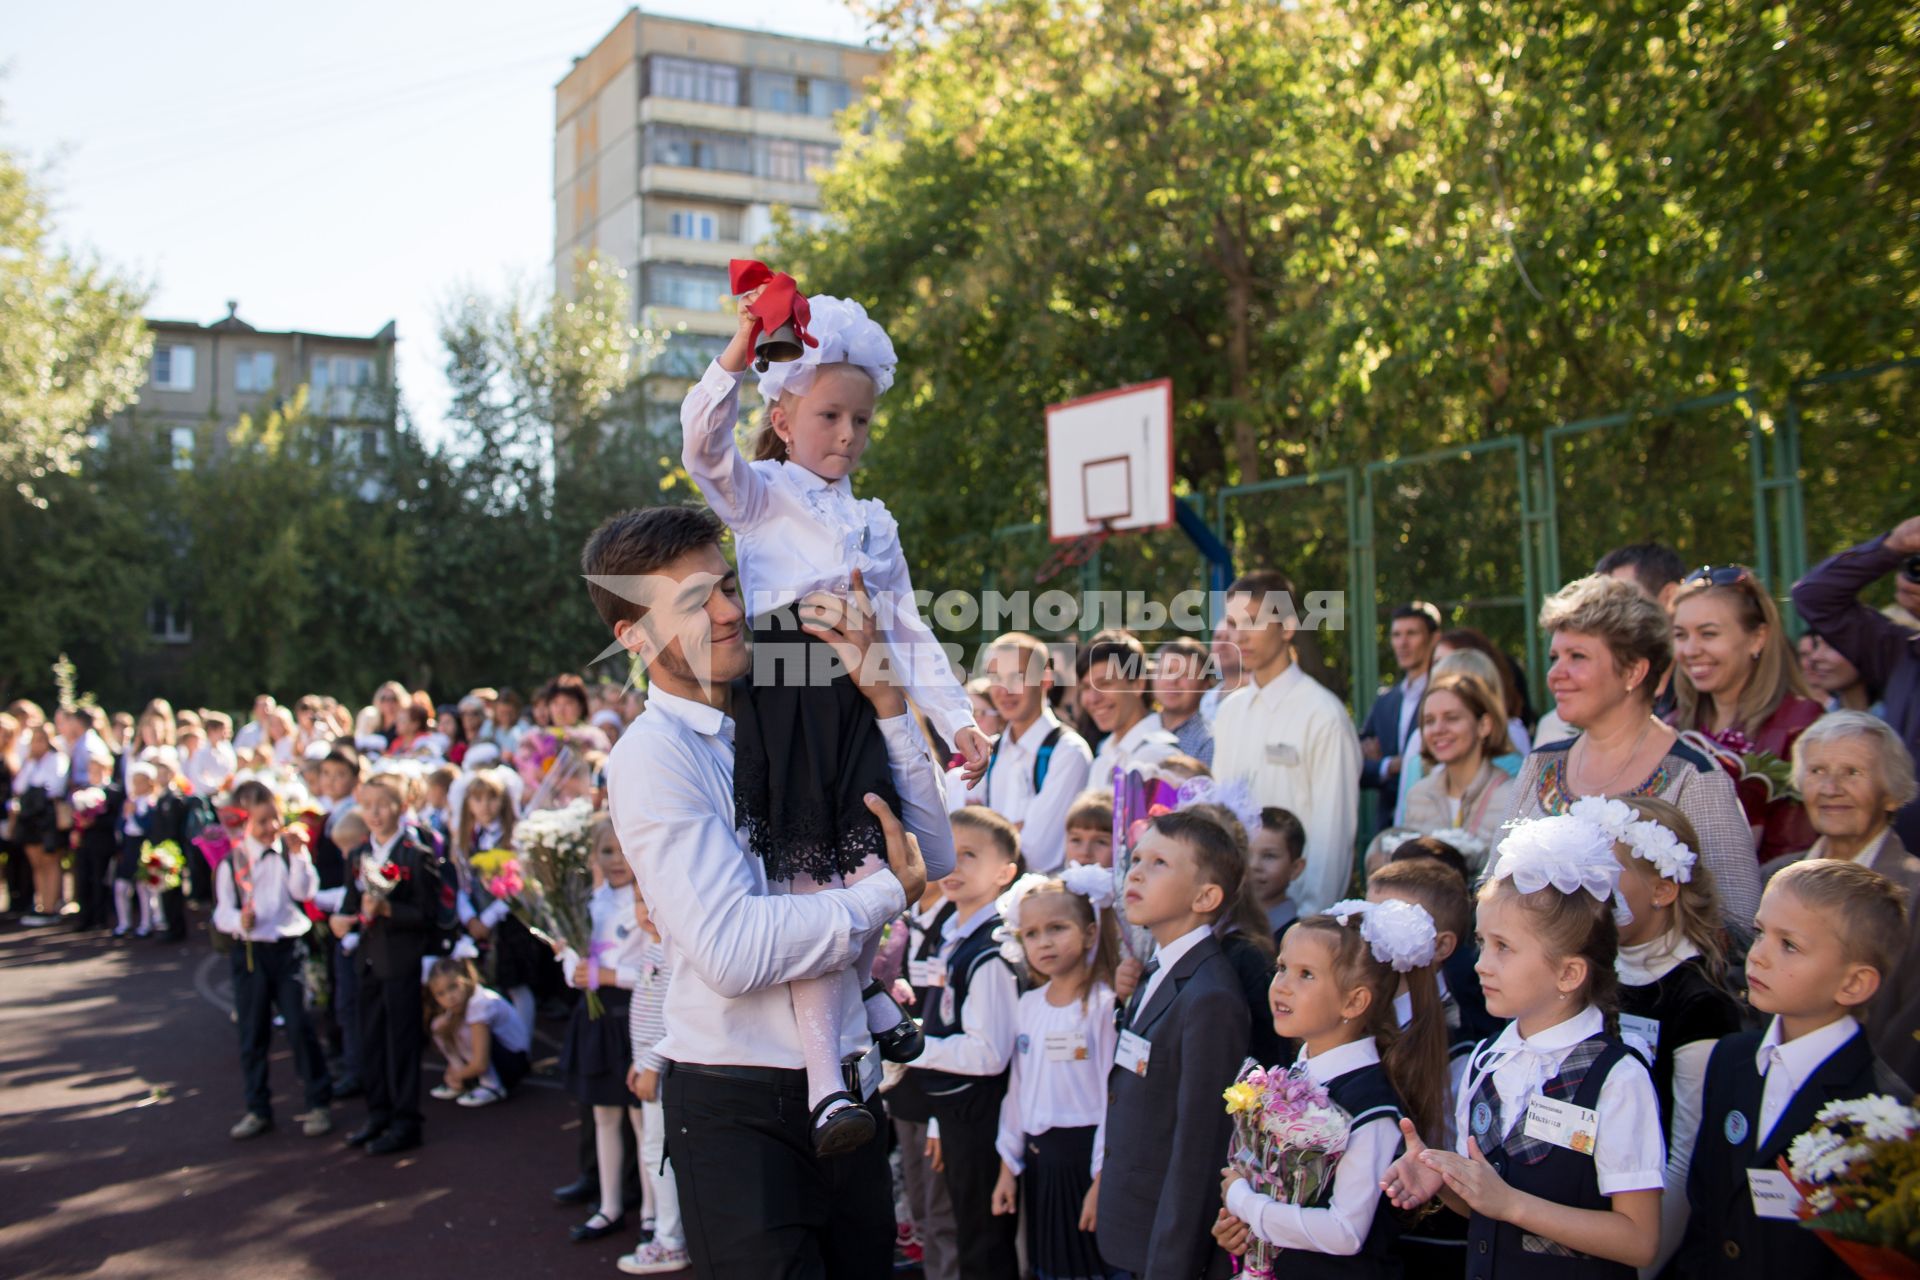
x,y
209,768
1292,743
1008,790
732,946
279,883
1147,743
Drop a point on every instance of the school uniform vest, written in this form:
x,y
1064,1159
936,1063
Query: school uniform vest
x,y
1368,1097
947,1016
908,1099
1725,1238
1502,1250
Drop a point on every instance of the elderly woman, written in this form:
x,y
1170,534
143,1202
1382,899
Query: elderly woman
x,y
1855,774
1609,647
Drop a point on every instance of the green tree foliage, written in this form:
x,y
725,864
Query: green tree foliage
x,y
72,345
1363,230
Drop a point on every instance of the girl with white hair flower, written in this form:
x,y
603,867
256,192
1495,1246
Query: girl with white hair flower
x,y
1560,1149
1674,995
808,749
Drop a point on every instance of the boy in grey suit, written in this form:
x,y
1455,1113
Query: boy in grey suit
x,y
1183,1038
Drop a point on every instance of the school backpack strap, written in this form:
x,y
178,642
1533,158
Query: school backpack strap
x,y
1044,756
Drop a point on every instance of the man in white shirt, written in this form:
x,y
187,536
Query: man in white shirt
x,y
1289,739
1038,765
254,731
739,1133
209,768
1114,672
1412,633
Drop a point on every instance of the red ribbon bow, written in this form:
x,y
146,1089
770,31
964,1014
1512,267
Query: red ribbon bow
x,y
778,303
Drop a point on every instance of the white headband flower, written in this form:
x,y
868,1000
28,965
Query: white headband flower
x,y
1470,846
846,336
1095,884
1401,934
1231,794
1568,853
1645,839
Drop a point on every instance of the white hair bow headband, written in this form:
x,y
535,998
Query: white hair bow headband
x,y
846,336
1095,884
1401,934
1645,839
1230,794
1564,852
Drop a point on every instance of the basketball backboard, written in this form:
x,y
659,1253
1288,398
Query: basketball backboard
x,y
1110,462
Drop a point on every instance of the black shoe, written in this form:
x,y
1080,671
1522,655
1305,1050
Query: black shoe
x,y
902,1042
365,1134
588,1230
392,1142
579,1191
848,1129
348,1087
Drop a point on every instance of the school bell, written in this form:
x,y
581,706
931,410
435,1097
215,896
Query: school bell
x,y
776,347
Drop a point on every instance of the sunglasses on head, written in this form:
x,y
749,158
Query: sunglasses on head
x,y
1724,576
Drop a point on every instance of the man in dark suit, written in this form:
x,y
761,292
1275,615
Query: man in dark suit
x,y
396,929
1413,632
1183,1037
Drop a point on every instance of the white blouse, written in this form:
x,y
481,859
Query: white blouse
x,y
1341,1227
502,1020
619,944
1629,1151
1062,1056
796,533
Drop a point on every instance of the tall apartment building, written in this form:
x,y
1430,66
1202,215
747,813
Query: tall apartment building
x,y
673,142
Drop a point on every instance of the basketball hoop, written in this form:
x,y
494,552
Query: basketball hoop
x,y
1071,555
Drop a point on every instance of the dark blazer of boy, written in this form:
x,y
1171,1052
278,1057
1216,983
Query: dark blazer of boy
x,y
1182,1043
1725,1235
394,937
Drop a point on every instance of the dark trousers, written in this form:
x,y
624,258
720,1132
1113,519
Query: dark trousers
x,y
19,878
346,1010
274,983
968,1126
759,1205
391,1041
92,865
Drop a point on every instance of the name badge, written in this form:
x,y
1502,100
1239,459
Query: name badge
x,y
1068,1046
1632,1024
1562,1124
870,1072
1773,1195
1284,754
922,974
1132,1053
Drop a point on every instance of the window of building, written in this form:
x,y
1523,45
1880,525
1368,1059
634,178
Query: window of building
x,y
699,149
814,158
180,443
172,367
340,383
780,160
690,224
687,355
253,371
799,95
168,623
693,288
695,81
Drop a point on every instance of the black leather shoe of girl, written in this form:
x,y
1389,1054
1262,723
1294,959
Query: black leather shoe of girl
x,y
597,1227
848,1129
903,1041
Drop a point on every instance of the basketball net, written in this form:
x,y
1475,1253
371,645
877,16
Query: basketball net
x,y
1071,555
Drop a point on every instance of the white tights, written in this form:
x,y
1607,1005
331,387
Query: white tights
x,y
816,1001
125,894
611,1152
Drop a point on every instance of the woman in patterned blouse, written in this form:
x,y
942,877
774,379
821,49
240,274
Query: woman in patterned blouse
x,y
1610,646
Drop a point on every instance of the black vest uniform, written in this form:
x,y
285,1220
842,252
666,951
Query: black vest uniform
x,y
946,1016
1369,1098
1542,1169
908,1099
1690,1008
1725,1238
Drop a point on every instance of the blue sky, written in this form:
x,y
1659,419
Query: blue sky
x,y
330,167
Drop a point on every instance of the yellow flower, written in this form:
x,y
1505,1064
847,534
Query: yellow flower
x,y
1241,1098
490,862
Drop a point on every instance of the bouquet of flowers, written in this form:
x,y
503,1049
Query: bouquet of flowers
x,y
1760,778
88,804
535,755
500,871
160,864
381,879
1858,1170
1288,1135
555,880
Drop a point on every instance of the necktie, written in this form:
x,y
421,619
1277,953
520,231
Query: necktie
x,y
1139,992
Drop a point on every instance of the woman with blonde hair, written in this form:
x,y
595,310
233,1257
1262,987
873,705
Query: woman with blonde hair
x,y
1738,691
1462,729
